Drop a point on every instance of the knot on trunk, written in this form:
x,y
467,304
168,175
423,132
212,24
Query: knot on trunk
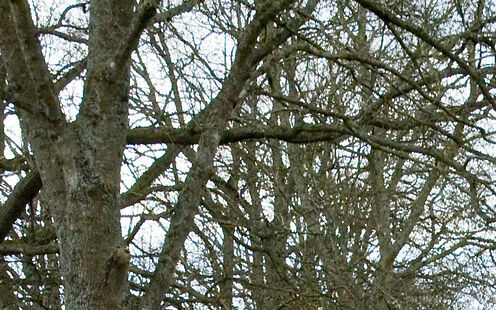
x,y
116,277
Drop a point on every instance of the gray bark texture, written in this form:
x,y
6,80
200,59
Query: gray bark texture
x,y
266,154
79,162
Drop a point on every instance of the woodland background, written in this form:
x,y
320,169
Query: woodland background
x,y
267,154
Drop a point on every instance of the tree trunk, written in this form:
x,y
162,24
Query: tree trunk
x,y
79,163
226,286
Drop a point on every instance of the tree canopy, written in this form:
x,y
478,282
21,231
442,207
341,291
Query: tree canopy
x,y
267,154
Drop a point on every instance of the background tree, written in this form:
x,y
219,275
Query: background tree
x,y
247,155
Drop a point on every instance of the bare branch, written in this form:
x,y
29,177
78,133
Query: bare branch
x,y
23,193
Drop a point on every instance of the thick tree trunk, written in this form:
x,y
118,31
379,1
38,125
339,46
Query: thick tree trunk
x,y
93,258
79,163
93,262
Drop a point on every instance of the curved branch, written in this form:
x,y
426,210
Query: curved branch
x,y
22,194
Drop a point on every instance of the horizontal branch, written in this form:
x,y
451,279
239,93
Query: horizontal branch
x,y
299,134
62,35
15,248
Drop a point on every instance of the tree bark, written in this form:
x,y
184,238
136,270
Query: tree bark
x,y
79,163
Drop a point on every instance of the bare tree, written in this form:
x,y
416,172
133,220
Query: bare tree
x,y
247,155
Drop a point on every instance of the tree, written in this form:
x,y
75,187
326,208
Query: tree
x,y
267,154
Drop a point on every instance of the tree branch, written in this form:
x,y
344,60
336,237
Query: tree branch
x,y
70,75
23,193
14,248
144,15
21,26
189,136
389,17
189,198
139,189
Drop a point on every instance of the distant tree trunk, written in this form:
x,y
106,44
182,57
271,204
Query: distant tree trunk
x,y
226,286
